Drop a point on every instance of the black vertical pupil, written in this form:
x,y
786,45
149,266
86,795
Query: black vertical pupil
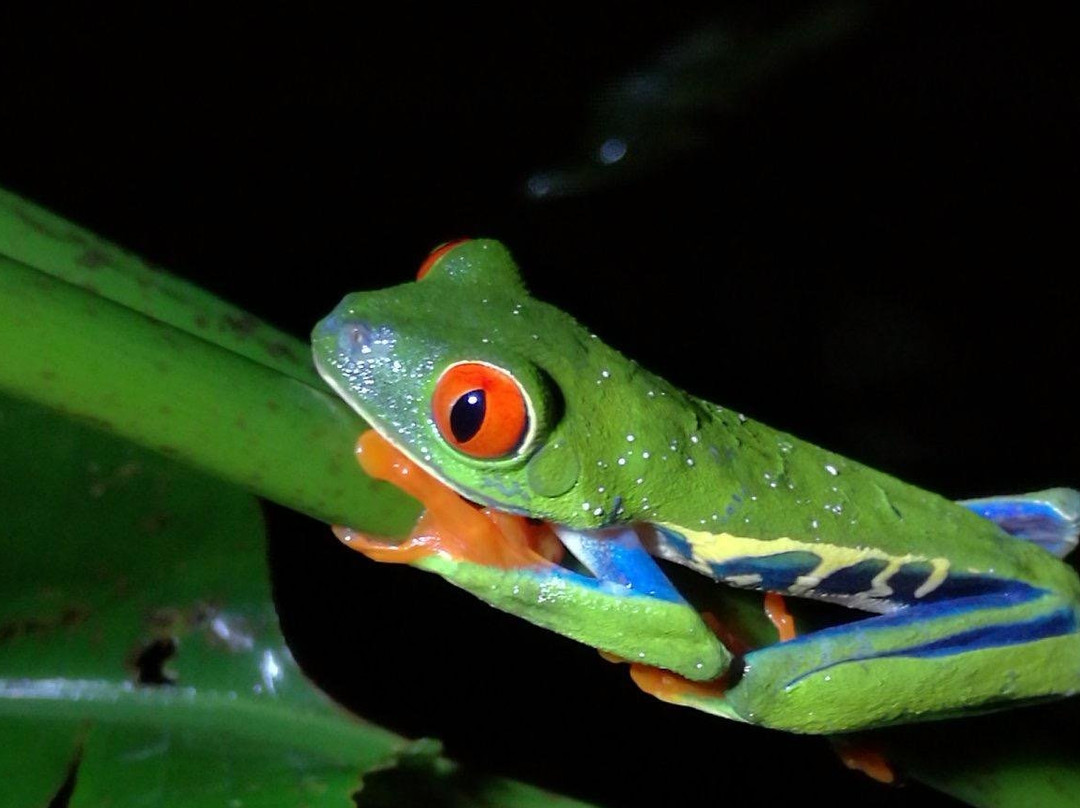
x,y
467,415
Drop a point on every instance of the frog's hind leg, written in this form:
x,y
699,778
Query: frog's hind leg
x,y
926,661
1049,518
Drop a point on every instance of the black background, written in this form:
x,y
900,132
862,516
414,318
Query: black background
x,y
870,242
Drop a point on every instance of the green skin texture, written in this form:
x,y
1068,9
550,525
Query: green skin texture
x,y
610,444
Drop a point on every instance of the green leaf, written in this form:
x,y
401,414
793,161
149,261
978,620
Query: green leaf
x,y
140,651
150,359
120,568
40,239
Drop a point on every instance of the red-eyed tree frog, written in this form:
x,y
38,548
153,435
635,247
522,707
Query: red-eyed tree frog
x,y
527,437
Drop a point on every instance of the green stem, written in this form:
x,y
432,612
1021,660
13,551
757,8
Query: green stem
x,y
40,239
164,388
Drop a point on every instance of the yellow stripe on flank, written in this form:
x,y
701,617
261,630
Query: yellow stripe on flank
x,y
716,548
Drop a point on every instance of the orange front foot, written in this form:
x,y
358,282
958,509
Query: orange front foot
x,y
450,525
412,549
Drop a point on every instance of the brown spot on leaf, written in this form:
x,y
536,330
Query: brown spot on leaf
x,y
36,625
97,421
243,324
94,258
166,620
155,522
63,232
278,349
71,616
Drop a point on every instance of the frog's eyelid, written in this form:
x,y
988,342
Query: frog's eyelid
x,y
434,256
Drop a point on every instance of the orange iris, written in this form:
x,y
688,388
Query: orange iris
x,y
480,410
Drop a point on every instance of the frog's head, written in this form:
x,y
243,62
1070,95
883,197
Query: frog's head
x,y
498,395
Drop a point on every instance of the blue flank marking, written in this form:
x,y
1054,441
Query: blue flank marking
x,y
778,572
677,542
856,578
909,577
958,585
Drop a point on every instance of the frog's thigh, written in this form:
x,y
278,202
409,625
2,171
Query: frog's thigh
x,y
921,662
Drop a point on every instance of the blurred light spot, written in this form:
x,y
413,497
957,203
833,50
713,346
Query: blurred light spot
x,y
612,150
270,670
539,185
227,628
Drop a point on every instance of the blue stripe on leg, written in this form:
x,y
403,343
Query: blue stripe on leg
x,y
829,642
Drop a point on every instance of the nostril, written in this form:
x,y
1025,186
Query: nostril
x,y
356,336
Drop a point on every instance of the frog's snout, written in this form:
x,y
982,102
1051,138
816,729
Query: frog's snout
x,y
328,326
343,339
349,335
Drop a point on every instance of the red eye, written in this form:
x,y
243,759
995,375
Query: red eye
x,y
480,410
436,254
